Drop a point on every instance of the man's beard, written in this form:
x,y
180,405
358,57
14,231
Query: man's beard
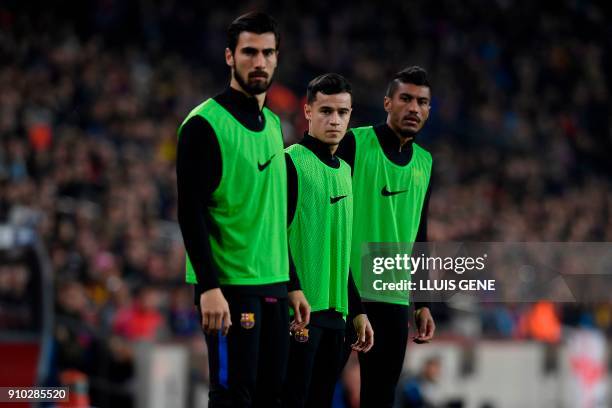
x,y
407,133
256,88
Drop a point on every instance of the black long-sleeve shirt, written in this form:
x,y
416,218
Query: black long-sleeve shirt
x,y
329,317
398,154
198,170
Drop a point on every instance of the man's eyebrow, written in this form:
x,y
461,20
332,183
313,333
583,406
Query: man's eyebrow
x,y
341,108
251,49
413,96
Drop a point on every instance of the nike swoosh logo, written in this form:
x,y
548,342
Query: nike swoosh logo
x,y
388,193
262,167
334,200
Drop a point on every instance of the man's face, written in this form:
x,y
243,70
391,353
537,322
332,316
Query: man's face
x,y
328,117
253,62
408,108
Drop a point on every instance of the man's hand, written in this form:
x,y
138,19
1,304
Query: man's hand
x,y
365,334
301,309
425,326
215,312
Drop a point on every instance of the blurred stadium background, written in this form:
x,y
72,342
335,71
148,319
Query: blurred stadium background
x,y
91,257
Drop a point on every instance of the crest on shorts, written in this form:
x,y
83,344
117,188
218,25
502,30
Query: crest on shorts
x,y
301,336
247,320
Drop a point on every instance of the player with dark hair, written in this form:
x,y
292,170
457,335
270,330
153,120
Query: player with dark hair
x,y
391,188
320,214
232,210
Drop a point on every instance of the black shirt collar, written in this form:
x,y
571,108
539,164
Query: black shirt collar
x,y
390,141
391,146
243,107
244,101
321,150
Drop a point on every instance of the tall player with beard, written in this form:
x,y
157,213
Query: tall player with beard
x,y
391,188
232,210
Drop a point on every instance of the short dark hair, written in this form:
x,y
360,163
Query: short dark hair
x,y
411,75
253,22
328,84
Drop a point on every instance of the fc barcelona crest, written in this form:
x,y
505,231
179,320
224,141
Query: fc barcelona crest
x,y
247,320
301,336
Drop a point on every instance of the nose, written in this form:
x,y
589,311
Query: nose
x,y
413,106
260,60
334,120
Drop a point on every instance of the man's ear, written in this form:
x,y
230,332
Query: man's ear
x,y
229,57
387,104
308,112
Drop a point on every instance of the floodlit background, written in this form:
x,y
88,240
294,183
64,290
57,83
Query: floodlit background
x,y
91,257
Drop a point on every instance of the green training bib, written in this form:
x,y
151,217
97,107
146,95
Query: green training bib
x,y
249,210
320,232
387,209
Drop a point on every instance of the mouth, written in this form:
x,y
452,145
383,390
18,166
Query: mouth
x,y
411,120
258,75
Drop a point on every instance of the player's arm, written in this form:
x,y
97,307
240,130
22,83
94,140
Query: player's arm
x,y
363,328
346,149
292,181
297,300
423,319
198,153
354,300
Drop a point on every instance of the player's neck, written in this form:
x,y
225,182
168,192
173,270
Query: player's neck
x,y
332,147
403,139
261,98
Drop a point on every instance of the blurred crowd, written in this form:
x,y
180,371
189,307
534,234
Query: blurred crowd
x,y
92,94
